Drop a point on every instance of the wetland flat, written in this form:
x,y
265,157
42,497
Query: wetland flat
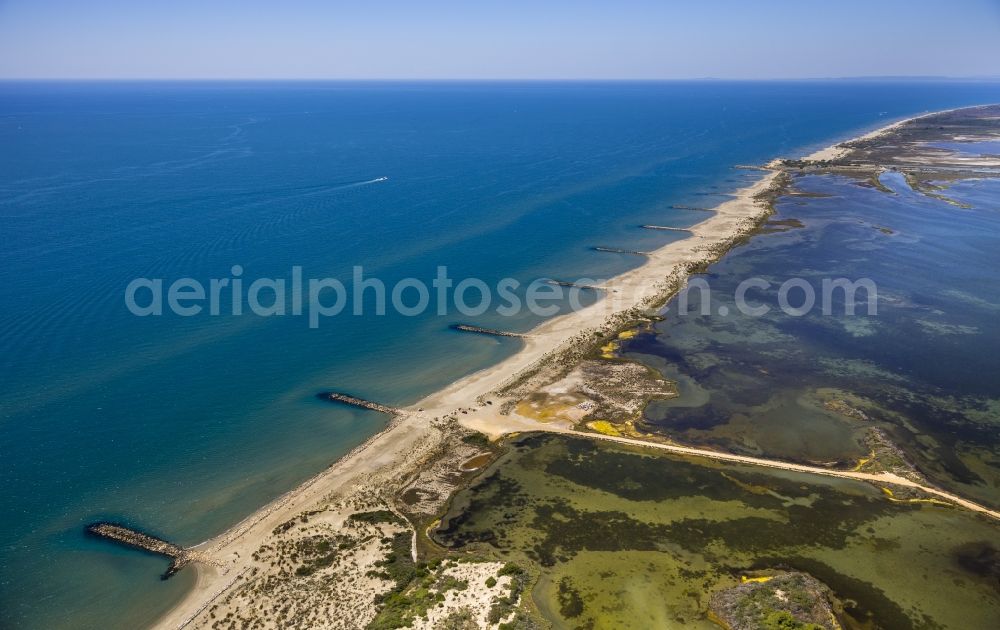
x,y
621,537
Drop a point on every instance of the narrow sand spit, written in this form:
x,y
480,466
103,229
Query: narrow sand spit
x,y
883,478
403,447
837,151
394,448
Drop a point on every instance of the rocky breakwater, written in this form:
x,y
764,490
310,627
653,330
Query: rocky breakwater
x,y
138,540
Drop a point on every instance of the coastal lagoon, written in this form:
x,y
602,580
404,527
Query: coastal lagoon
x,y
183,425
923,367
626,537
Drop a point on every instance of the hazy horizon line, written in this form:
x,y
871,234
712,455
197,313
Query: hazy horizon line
x,y
893,77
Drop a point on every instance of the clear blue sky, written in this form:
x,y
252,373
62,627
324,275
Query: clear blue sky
x,y
571,39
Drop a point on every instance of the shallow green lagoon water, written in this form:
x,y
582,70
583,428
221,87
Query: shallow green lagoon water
x,y
624,538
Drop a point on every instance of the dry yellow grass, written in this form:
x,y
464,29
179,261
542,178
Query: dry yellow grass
x,y
604,427
762,579
889,494
546,412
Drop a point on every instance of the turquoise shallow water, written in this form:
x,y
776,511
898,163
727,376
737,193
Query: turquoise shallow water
x,y
184,425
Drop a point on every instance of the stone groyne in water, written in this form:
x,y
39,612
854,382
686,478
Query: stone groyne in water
x,y
354,401
616,250
486,331
574,285
695,208
138,540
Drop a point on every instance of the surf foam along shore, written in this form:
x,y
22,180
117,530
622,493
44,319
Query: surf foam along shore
x,y
371,473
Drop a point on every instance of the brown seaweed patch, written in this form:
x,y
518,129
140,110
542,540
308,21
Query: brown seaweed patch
x,y
476,462
776,226
981,559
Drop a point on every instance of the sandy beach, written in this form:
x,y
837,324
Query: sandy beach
x,y
401,449
228,555
836,151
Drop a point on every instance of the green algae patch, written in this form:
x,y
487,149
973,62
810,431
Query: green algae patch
x,y
619,536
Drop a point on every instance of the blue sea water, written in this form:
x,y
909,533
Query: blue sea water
x,y
183,425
